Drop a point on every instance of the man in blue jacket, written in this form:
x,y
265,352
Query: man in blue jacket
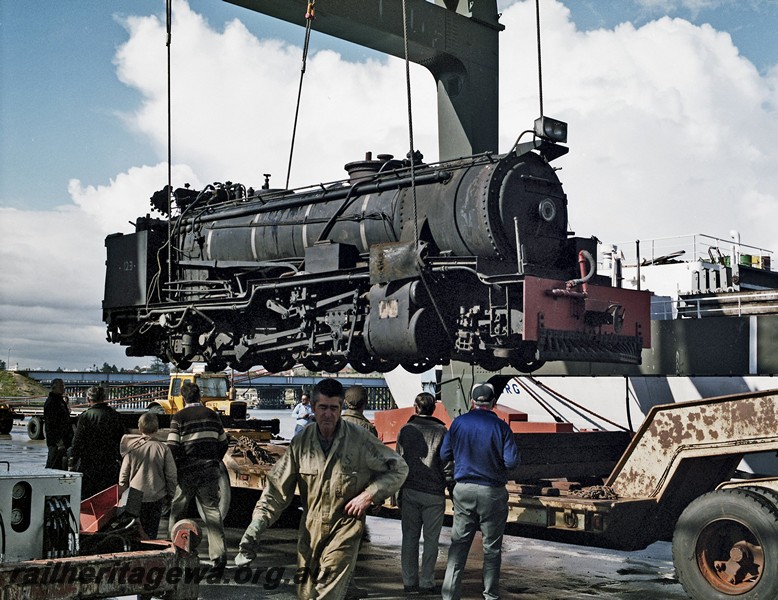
x,y
484,450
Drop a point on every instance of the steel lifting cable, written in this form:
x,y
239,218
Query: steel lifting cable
x,y
562,398
169,39
412,157
536,397
412,152
310,15
540,73
540,62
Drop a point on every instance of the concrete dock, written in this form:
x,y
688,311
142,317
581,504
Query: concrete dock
x,y
531,569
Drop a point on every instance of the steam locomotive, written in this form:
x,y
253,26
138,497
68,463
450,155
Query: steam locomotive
x,y
402,263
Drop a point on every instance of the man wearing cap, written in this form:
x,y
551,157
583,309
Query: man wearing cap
x,y
95,451
355,403
484,450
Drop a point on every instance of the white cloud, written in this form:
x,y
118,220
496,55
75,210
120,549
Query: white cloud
x,y
671,132
234,102
127,196
694,6
53,269
670,128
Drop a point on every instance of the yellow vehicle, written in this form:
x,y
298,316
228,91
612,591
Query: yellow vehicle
x,y
215,392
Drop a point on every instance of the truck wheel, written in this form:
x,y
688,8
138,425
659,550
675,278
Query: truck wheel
x,y
35,428
725,545
155,408
6,425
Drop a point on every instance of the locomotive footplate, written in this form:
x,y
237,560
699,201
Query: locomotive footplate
x,y
593,324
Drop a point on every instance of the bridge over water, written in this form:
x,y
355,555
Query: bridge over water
x,y
136,390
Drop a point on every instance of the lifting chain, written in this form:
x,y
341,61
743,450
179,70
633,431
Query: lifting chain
x,y
596,492
253,451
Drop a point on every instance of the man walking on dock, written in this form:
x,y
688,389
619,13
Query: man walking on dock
x,y
340,469
483,450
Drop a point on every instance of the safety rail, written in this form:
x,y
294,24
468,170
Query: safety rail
x,y
690,248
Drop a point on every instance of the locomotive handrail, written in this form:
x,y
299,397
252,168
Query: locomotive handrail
x,y
298,280
328,195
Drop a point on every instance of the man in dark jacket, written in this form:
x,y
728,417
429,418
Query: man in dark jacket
x,y
95,451
56,421
198,442
484,451
423,500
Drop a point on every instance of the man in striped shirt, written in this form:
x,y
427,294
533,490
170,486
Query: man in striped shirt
x,y
198,443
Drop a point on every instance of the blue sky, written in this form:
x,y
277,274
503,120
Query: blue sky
x,y
60,93
672,105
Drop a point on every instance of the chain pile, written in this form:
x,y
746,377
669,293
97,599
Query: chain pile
x,y
596,492
253,451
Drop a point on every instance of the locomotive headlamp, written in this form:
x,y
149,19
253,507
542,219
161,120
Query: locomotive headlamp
x,y
551,129
547,210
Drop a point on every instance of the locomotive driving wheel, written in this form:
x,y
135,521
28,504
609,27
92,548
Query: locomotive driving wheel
x,y
363,362
275,363
725,545
525,358
420,366
323,362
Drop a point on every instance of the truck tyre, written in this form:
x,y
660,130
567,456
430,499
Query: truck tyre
x,y
768,493
155,408
6,425
35,428
725,545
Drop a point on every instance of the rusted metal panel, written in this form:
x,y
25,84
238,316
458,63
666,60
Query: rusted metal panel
x,y
568,313
727,426
390,262
159,568
603,523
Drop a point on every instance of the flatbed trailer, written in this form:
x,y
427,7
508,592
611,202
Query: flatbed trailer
x,y
672,480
